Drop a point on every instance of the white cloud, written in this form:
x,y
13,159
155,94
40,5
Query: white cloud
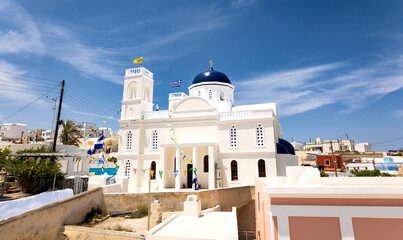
x,y
241,3
398,113
24,36
44,37
304,89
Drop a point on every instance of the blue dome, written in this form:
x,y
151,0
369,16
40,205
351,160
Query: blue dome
x,y
211,76
281,149
289,146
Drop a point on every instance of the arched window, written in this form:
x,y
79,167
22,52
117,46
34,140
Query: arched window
x,y
234,170
153,170
154,140
147,93
210,94
259,136
261,165
205,164
127,168
199,93
129,140
221,95
132,94
233,141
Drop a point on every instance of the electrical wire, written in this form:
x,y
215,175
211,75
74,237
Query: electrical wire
x,y
27,105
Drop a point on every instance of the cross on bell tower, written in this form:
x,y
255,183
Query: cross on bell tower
x,y
211,64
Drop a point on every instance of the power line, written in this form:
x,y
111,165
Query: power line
x,y
40,78
24,82
389,140
27,105
85,108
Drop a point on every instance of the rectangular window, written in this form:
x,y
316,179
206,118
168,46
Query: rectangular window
x,y
233,141
327,162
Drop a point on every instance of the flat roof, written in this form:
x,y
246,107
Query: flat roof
x,y
214,225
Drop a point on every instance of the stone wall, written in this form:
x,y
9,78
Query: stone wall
x,y
173,201
46,222
240,197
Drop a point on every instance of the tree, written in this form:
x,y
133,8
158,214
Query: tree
x,y
3,157
35,174
70,133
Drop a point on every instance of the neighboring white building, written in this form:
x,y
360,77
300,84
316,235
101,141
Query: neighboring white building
x,y
363,147
228,146
47,135
325,146
14,131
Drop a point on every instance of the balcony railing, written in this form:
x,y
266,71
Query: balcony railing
x,y
156,115
177,95
236,115
139,71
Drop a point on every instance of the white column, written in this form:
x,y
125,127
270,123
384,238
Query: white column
x,y
178,168
195,161
211,167
283,228
346,227
161,168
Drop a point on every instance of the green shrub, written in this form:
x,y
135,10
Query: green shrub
x,y
342,170
95,213
369,173
3,157
323,174
35,174
143,210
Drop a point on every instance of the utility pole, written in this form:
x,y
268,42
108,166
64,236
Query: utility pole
x,y
54,111
58,116
334,162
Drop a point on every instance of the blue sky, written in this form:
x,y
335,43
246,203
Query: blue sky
x,y
333,67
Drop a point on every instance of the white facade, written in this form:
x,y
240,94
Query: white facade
x,y
363,147
47,135
228,146
14,131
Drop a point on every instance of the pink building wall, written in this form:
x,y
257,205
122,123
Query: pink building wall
x,y
327,227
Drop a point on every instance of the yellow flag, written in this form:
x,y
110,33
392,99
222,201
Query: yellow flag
x,y
152,173
138,60
184,172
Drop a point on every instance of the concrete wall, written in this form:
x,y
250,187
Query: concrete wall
x,y
284,160
173,201
76,232
46,222
240,197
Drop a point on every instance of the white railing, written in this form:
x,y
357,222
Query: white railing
x,y
177,95
156,114
236,115
139,71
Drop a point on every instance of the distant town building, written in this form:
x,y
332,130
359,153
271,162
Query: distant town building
x,y
325,146
326,162
298,146
363,147
16,131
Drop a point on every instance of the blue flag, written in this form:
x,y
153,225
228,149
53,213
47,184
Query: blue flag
x,y
99,144
176,83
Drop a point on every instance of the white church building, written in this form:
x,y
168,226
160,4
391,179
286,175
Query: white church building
x,y
201,135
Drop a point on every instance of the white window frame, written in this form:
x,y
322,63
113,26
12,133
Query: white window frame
x,y
233,137
327,162
129,140
222,95
154,140
127,168
199,93
259,135
210,94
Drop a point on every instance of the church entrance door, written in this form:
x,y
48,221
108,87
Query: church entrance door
x,y
190,175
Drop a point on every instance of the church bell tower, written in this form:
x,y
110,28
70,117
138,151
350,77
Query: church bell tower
x,y
137,93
